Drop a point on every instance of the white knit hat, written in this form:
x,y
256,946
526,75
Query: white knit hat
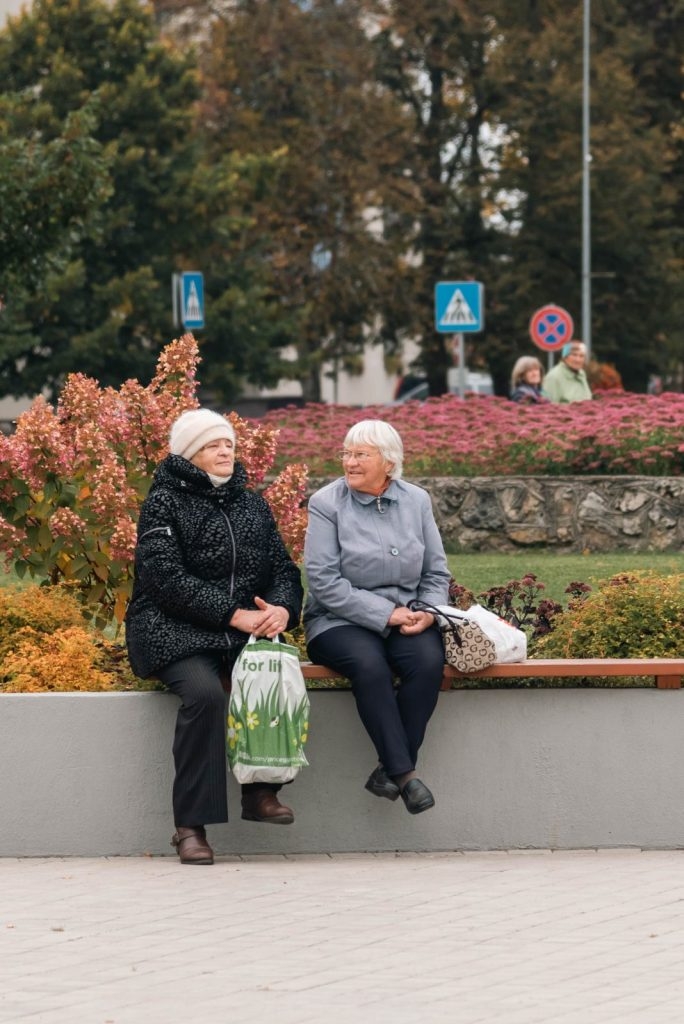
x,y
193,429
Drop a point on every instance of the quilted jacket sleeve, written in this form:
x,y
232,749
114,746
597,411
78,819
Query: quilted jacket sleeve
x,y
285,587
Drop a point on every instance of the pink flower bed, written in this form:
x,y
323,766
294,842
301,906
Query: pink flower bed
x,y
617,433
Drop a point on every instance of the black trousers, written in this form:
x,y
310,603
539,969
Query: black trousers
x,y
199,747
395,720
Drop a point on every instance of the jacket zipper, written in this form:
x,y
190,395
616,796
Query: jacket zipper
x,y
156,529
232,567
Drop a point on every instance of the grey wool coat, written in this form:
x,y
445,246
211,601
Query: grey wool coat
x,y
202,553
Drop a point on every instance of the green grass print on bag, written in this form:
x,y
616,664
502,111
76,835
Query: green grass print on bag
x,y
268,713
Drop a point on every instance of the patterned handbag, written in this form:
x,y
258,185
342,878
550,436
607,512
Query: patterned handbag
x,y
466,646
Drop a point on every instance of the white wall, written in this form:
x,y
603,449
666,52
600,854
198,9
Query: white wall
x,y
10,408
10,7
372,386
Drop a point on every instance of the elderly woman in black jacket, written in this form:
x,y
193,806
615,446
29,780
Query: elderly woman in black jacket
x,y
210,569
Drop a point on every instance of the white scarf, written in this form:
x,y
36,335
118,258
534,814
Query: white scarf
x,y
217,481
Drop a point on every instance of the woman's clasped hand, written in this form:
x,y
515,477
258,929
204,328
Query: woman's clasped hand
x,y
268,620
410,622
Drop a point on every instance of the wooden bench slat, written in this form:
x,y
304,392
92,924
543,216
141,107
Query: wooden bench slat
x,y
667,672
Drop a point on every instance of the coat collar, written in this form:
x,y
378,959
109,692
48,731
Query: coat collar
x,y
391,494
181,475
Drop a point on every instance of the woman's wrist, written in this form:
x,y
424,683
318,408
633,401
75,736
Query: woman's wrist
x,y
239,620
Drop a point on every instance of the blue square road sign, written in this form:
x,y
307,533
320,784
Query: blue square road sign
x,y
192,300
459,306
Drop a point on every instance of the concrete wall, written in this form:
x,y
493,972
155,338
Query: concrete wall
x,y
91,774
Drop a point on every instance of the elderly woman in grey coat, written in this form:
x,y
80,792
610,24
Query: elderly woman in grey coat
x,y
372,546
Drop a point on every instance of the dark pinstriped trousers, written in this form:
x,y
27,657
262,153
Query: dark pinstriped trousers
x,y
395,720
199,747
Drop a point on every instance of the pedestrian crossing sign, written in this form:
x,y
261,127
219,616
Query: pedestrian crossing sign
x,y
192,300
459,306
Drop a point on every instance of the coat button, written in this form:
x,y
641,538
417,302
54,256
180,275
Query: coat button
x,y
394,551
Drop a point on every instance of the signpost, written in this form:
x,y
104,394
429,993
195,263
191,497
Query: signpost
x,y
459,308
187,290
551,327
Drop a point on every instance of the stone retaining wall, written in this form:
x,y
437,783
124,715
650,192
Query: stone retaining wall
x,y
579,513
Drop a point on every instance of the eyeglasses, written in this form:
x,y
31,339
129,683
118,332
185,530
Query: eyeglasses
x,y
344,455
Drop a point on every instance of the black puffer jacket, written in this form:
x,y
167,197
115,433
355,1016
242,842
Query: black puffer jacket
x,y
202,553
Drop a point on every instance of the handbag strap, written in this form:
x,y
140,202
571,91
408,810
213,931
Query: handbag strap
x,y
446,623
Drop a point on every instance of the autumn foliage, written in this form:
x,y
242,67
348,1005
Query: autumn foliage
x,y
46,646
72,478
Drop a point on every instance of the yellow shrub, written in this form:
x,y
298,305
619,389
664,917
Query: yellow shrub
x,y
46,646
63,660
631,615
43,609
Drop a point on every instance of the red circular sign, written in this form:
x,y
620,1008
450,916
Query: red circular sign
x,y
551,327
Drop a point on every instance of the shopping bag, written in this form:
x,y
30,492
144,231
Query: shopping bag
x,y
466,646
510,642
475,638
268,713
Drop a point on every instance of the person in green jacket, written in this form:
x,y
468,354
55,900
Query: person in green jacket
x,y
567,381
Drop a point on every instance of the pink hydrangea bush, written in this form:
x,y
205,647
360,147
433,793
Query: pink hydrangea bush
x,y
72,478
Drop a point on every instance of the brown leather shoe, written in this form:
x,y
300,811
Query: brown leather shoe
x,y
264,805
192,846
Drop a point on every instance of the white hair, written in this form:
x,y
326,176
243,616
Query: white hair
x,y
381,436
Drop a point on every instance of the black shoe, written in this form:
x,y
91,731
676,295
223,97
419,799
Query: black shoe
x,y
380,784
417,797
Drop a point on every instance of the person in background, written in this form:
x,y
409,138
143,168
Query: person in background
x,y
210,569
567,381
526,380
372,546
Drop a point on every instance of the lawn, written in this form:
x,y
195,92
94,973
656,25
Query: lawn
x,y
481,571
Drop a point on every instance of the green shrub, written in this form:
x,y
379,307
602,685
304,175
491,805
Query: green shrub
x,y
631,615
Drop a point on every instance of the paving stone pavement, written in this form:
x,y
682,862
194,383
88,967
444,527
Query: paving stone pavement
x,y
586,937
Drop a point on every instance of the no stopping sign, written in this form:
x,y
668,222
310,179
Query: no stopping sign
x,y
551,327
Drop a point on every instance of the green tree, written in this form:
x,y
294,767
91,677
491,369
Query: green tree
x,y
653,33
495,91
293,83
107,311
632,187
54,187
248,321
437,59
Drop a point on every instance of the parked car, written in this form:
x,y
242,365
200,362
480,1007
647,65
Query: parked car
x,y
476,383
